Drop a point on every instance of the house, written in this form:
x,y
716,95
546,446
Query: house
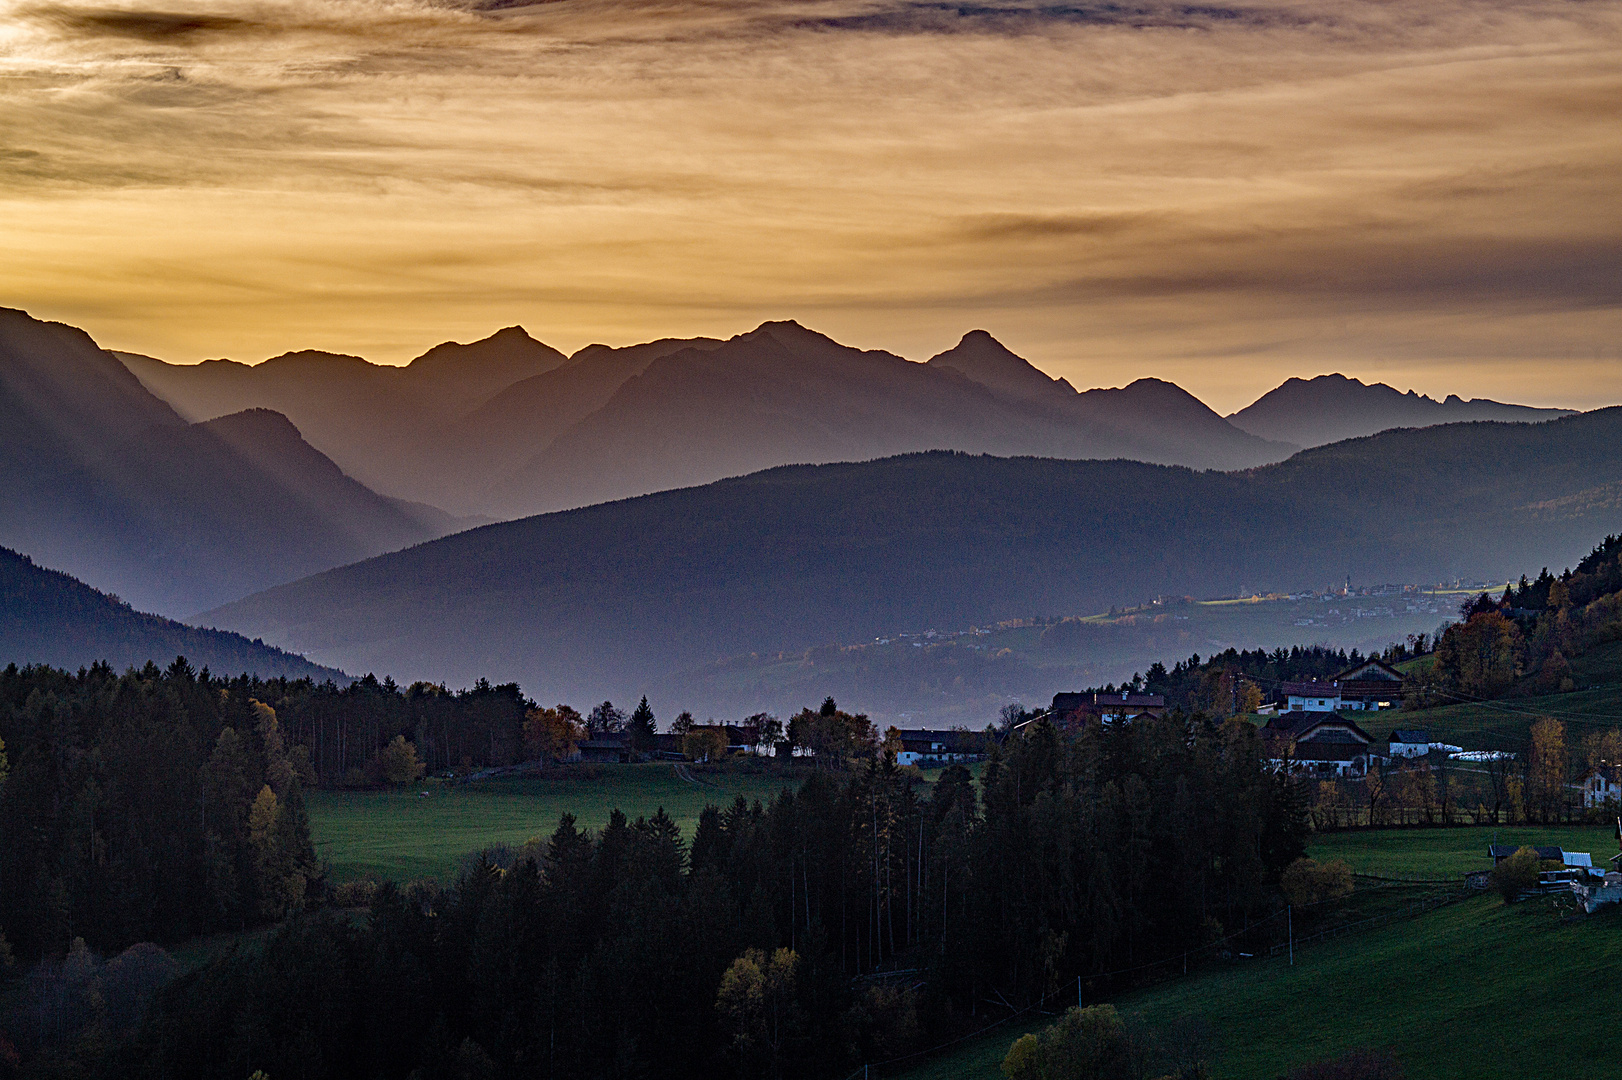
x,y
1499,852
1319,743
1366,687
1079,710
1600,785
1410,743
606,748
1581,861
925,747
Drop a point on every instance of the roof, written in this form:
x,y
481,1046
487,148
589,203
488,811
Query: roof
x,y
1504,851
1411,735
1072,702
1310,689
1370,670
1300,725
1576,858
953,742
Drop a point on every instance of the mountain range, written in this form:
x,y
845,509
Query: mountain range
x,y
109,483
47,617
611,423
622,597
1329,408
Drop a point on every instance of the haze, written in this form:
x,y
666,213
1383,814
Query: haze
x,y
1424,194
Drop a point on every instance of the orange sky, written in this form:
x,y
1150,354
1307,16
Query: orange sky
x,y
1428,194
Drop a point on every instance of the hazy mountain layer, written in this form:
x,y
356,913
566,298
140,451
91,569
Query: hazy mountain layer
x,y
110,484
784,394
1329,408
378,422
520,430
47,617
614,599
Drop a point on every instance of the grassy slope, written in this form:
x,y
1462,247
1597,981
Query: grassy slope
x,y
399,835
1449,853
1476,989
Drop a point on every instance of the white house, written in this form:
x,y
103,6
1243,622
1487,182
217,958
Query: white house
x,y
1600,785
1366,687
1410,743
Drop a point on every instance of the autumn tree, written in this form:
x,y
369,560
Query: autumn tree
x,y
1250,698
398,762
1086,1044
1308,881
605,719
1482,657
552,734
704,743
756,1002
1546,769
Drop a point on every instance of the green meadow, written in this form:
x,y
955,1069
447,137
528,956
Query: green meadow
x,y
1475,989
404,834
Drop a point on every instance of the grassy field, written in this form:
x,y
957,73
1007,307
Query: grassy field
x,y
1450,853
402,835
1475,989
1504,724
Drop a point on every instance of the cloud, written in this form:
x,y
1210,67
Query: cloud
x,y
1115,188
155,26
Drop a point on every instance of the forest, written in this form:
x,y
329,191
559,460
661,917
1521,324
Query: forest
x,y
855,918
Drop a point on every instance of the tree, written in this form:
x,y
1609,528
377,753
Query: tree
x,y
1516,874
552,734
642,725
398,762
771,731
1086,1044
1546,769
756,1001
704,743
1482,657
682,724
1307,881
1250,698
605,719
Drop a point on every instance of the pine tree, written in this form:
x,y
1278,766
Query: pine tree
x,y
643,726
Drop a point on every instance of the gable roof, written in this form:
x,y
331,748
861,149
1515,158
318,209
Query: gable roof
x,y
1301,725
1370,670
1411,735
1504,851
1072,702
1310,689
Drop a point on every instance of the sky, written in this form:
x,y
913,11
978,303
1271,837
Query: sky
x,y
1224,195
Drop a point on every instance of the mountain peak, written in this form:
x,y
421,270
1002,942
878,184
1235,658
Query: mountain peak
x,y
987,361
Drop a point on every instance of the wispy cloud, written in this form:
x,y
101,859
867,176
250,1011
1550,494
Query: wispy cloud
x,y
1116,189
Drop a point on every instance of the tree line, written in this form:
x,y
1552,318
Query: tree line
x,y
854,918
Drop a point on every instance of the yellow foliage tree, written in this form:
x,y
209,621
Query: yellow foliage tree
x,y
1546,769
552,733
1308,881
399,763
756,1001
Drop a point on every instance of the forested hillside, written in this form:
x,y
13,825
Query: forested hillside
x,y
759,944
609,599
47,617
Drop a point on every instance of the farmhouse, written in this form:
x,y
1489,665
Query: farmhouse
x,y
925,747
1499,852
1322,744
1601,785
1078,710
1366,687
1410,743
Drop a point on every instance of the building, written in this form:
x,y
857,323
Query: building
x,y
1409,743
1318,743
606,748
1366,687
1600,785
1499,852
1078,710
924,747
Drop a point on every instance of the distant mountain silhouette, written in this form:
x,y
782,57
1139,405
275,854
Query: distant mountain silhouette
x,y
378,422
1329,408
784,394
509,427
47,617
109,483
612,599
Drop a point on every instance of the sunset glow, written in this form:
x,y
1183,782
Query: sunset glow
x,y
1429,195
